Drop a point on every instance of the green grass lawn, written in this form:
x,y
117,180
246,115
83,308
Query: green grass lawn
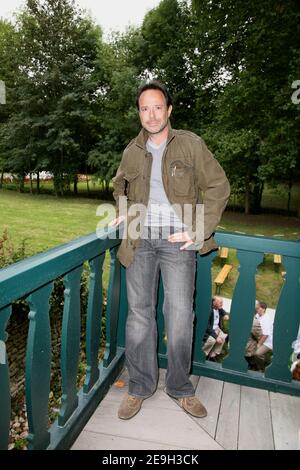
x,y
273,197
46,221
43,222
277,198
269,280
269,225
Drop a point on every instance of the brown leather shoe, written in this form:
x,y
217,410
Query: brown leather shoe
x,y
130,406
193,406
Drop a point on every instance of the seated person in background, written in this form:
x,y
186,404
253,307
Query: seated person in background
x,y
296,347
260,342
295,368
256,333
214,337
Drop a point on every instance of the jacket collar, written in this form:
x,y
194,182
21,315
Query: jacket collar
x,y
143,136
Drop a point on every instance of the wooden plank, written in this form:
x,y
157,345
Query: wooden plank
x,y
168,427
98,441
223,252
285,411
277,259
223,274
209,391
228,423
255,429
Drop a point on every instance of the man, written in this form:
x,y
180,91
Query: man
x,y
260,342
256,333
163,169
214,337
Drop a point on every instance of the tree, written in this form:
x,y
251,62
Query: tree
x,y
165,50
50,127
250,49
9,74
118,122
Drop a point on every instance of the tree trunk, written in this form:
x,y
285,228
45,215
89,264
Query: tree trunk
x,y
1,179
290,185
298,209
21,183
31,186
38,182
56,184
257,197
61,184
75,180
247,198
87,184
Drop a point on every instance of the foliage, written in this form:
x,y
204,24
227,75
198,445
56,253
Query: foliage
x,y
229,65
8,253
50,126
251,49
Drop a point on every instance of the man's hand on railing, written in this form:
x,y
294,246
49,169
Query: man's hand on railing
x,y
117,221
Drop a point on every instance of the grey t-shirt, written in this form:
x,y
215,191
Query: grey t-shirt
x,y
159,211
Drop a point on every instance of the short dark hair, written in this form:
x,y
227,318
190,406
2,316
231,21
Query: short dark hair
x,y
154,85
263,305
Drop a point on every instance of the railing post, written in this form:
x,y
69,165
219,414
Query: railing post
x,y
286,323
202,302
112,310
70,345
162,342
38,367
5,405
93,322
123,309
242,310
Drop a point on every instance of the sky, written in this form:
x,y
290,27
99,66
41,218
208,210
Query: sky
x,y
110,14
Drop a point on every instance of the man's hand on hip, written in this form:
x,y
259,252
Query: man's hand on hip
x,y
181,237
117,221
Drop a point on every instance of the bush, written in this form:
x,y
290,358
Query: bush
x,y
8,253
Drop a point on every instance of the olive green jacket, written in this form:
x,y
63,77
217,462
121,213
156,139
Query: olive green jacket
x,y
190,175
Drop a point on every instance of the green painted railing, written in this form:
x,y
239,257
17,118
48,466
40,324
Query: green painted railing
x,y
250,252
33,279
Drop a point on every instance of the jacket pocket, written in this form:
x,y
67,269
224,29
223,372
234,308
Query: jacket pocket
x,y
182,178
132,180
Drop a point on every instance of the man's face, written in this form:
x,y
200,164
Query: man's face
x,y
153,111
261,311
218,303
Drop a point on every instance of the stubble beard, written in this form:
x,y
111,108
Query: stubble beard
x,y
159,130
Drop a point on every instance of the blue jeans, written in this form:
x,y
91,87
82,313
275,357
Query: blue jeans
x,y
178,275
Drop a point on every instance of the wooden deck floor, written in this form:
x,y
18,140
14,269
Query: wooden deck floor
x,y
238,418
